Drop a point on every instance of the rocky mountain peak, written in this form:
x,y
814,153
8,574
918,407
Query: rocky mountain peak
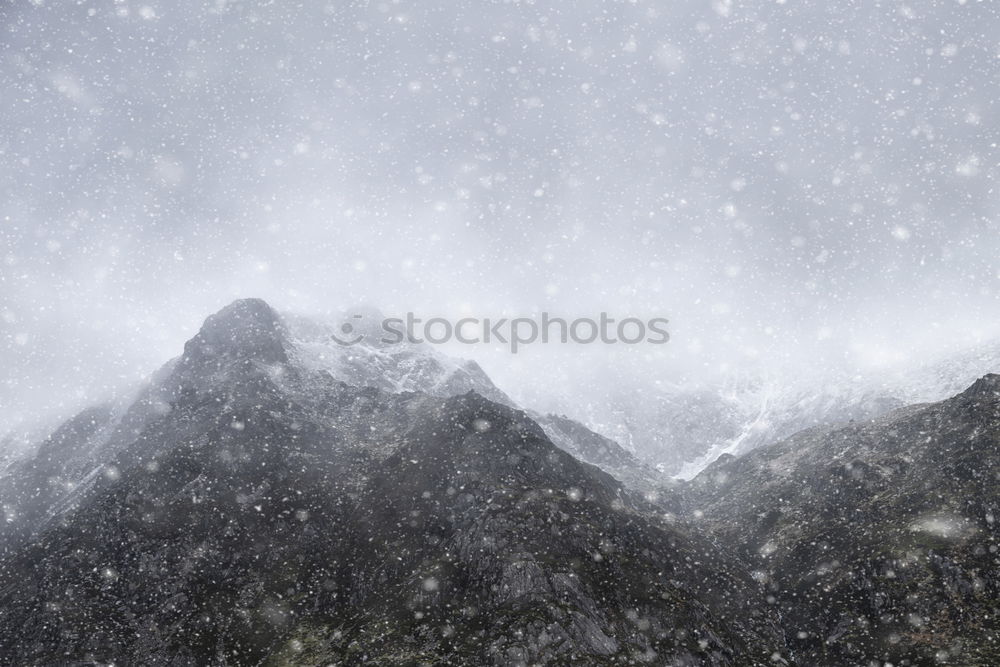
x,y
245,329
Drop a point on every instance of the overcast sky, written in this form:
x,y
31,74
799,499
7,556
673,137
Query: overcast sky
x,y
789,182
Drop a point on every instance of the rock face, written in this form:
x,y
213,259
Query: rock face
x,y
249,509
878,540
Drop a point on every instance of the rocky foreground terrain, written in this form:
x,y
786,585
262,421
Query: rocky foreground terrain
x,y
271,499
878,540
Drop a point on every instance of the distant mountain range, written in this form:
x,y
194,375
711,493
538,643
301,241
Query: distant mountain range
x,y
273,498
680,429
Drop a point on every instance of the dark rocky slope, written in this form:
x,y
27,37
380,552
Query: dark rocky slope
x,y
877,540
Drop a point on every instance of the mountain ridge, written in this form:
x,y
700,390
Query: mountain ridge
x,y
248,510
257,504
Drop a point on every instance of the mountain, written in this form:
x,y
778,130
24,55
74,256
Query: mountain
x,y
878,540
756,413
270,497
419,367
250,508
66,458
680,429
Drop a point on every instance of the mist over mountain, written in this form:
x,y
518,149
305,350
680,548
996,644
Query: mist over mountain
x,y
804,189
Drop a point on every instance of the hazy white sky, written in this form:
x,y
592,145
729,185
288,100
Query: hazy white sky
x,y
788,182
